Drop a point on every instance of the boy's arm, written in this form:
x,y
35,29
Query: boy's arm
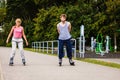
x,y
58,29
24,36
10,34
69,27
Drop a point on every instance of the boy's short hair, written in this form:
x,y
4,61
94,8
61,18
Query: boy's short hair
x,y
63,15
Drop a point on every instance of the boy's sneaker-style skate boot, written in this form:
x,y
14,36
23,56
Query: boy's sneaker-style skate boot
x,y
71,62
24,63
60,62
11,62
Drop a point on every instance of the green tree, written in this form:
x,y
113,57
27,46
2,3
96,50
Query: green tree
x,y
2,14
40,17
25,9
2,19
45,26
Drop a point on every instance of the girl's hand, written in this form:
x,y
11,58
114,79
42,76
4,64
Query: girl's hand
x,y
7,41
26,43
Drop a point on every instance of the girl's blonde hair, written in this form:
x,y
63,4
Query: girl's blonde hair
x,y
18,20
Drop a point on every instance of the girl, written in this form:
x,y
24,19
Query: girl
x,y
64,28
18,33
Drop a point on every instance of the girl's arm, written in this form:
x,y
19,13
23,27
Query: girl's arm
x,y
10,34
24,36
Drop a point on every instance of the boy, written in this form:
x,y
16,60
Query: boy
x,y
64,28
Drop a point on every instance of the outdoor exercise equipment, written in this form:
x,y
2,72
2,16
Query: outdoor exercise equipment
x,y
82,42
99,45
92,44
107,44
110,45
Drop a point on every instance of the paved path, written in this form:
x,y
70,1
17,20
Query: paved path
x,y
45,67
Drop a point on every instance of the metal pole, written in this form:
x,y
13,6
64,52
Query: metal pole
x,y
35,46
39,46
82,42
43,46
107,44
58,47
32,46
52,47
92,43
83,46
47,46
75,49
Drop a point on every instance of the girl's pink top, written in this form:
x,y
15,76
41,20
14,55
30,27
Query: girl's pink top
x,y
17,33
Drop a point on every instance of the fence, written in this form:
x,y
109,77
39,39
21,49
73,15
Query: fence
x,y
52,47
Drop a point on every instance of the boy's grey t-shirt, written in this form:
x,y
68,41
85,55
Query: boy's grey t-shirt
x,y
64,31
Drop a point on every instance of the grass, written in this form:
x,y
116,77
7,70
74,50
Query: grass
x,y
89,60
103,63
39,51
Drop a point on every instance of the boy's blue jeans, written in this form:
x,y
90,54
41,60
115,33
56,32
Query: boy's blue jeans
x,y
68,45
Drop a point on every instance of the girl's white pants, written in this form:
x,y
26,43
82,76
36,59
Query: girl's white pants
x,y
15,43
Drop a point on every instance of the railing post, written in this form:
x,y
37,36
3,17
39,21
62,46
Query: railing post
x,y
39,46
75,49
47,46
34,46
58,47
52,47
43,46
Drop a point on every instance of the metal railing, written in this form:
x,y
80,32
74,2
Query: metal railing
x,y
52,47
45,46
